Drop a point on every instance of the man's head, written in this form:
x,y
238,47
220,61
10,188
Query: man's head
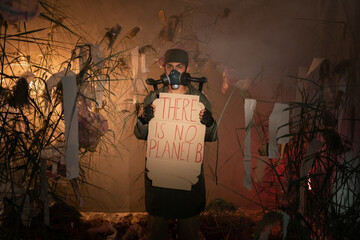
x,y
177,59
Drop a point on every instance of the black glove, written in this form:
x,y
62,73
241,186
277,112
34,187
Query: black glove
x,y
207,118
147,114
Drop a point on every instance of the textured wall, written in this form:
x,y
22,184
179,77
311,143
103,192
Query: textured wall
x,y
261,40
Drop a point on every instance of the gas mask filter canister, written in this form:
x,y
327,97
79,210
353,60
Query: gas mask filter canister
x,y
174,79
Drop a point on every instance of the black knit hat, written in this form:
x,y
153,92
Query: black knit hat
x,y
176,55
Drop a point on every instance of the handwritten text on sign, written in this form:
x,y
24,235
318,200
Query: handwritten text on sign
x,y
175,142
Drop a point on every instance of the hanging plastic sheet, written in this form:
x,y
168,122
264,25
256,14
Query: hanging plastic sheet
x,y
71,125
144,67
249,107
314,64
99,92
135,70
278,128
138,67
97,53
98,56
286,220
51,82
143,70
54,79
347,184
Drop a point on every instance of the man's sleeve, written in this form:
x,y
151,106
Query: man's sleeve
x,y
211,132
141,130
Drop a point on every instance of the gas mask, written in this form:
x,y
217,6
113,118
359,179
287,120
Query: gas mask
x,y
175,79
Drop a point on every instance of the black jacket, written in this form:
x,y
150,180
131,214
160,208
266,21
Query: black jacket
x,y
172,203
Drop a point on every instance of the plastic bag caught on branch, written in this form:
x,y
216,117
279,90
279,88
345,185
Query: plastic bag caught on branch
x,y
92,125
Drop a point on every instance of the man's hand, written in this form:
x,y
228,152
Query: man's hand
x,y
147,114
206,117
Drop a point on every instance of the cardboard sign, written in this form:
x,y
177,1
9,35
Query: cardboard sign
x,y
175,143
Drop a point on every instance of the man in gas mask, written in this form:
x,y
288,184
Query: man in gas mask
x,y
163,204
